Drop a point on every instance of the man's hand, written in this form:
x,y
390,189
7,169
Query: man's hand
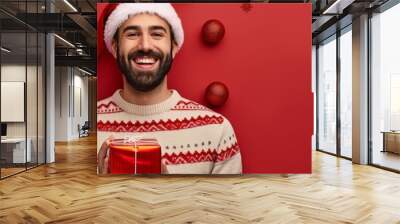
x,y
103,156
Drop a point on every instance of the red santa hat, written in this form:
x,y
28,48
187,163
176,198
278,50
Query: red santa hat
x,y
122,12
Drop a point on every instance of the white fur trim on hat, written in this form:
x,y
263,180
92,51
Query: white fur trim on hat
x,y
122,12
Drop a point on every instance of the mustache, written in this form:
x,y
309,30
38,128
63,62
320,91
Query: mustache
x,y
141,53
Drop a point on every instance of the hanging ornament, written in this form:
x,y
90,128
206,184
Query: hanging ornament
x,y
216,94
212,32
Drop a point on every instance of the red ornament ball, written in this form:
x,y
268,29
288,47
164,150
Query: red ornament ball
x,y
212,32
216,94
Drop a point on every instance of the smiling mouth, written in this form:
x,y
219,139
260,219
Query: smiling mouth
x,y
145,62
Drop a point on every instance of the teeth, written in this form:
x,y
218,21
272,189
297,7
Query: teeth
x,y
145,60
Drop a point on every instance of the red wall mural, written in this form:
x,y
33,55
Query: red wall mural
x,y
264,59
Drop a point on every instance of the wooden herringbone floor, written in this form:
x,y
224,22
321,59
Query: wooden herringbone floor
x,y
69,191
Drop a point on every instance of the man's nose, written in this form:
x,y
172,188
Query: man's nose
x,y
145,42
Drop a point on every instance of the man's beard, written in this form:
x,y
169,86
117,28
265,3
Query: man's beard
x,y
144,81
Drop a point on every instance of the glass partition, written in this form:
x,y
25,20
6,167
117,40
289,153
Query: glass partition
x,y
15,152
22,88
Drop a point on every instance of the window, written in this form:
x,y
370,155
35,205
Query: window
x,y
327,95
385,88
346,93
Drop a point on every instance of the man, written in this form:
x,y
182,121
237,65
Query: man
x,y
144,38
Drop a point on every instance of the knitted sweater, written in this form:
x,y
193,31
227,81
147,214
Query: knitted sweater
x,y
193,138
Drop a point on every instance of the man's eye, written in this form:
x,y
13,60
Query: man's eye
x,y
132,34
158,34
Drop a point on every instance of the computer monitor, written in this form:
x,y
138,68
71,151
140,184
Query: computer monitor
x,y
3,129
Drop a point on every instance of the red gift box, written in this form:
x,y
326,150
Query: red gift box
x,y
135,156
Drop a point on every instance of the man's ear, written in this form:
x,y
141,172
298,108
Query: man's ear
x,y
114,48
174,49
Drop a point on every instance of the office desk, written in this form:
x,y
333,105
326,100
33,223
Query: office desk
x,y
13,150
391,141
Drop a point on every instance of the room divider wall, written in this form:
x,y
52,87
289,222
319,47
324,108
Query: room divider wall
x,y
22,76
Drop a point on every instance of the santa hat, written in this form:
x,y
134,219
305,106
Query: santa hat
x,y
122,12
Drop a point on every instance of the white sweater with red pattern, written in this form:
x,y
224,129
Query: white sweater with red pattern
x,y
193,138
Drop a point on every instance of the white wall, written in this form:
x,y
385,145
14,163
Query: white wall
x,y
80,102
15,72
34,125
314,90
61,103
71,94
